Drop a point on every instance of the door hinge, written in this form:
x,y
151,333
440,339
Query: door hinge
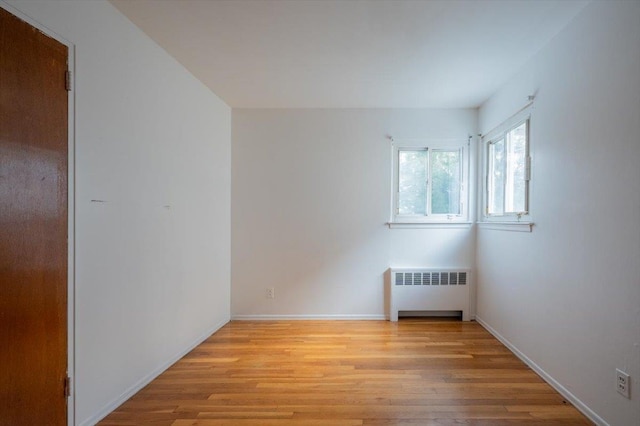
x,y
67,386
67,80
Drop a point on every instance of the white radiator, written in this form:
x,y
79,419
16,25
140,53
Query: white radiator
x,y
429,289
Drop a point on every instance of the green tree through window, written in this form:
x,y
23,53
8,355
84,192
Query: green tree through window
x,y
429,182
445,176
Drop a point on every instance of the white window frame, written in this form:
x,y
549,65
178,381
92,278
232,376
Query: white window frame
x,y
500,132
428,218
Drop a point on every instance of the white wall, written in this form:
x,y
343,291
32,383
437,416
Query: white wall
x,y
567,295
150,280
310,199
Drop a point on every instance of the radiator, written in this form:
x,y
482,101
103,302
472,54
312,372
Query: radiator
x,y
429,289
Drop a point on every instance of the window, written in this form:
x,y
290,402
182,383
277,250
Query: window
x,y
508,172
429,183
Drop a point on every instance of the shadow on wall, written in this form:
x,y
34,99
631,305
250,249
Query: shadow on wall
x,y
325,272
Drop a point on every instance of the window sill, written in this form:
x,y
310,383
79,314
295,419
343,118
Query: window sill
x,y
507,226
429,225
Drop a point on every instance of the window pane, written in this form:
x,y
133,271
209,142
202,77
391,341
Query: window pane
x,y
412,182
515,186
445,182
495,193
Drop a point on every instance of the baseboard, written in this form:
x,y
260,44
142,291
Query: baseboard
x,y
107,409
584,409
307,317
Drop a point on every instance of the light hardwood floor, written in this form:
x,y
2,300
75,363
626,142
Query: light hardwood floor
x,y
413,372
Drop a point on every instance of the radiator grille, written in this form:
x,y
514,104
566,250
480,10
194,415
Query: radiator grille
x,y
431,278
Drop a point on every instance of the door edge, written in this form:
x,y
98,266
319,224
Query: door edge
x,y
71,400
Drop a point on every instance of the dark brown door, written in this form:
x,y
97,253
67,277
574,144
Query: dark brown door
x,y
33,225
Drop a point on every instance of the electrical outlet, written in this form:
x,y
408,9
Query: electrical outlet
x,y
271,293
623,383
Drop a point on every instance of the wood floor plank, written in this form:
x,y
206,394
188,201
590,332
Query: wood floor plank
x,y
348,373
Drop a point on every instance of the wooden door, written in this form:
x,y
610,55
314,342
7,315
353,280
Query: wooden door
x,y
33,225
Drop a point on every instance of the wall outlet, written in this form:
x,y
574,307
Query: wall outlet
x,y
623,384
271,293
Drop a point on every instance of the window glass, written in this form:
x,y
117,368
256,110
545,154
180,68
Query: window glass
x,y
515,186
445,181
412,182
496,177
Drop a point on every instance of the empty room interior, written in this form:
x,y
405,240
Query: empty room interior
x,y
340,212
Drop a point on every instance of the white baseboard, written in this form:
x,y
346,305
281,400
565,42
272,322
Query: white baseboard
x,y
132,390
307,317
545,376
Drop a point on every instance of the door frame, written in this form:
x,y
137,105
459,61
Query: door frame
x,y
71,236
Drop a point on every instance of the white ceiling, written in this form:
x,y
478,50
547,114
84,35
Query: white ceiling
x,y
352,53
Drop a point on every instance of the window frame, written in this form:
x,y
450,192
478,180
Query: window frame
x,y
460,145
500,133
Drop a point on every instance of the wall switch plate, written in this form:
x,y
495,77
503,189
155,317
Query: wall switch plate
x,y
271,293
623,383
